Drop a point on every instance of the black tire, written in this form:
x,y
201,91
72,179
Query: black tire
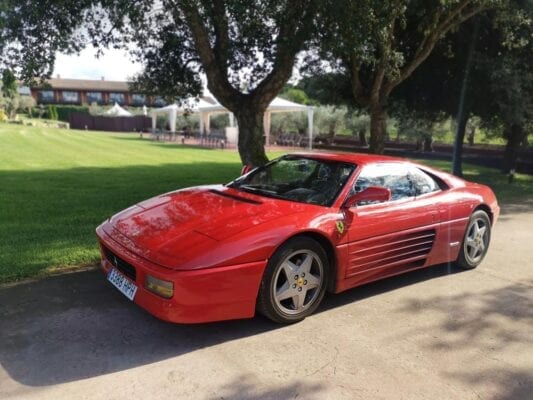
x,y
275,279
471,254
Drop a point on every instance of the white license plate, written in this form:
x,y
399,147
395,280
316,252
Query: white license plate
x,y
126,287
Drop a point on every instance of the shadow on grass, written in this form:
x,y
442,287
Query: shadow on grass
x,y
49,216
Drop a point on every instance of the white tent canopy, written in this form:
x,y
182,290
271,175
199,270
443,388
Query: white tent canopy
x,y
172,110
205,110
281,105
118,111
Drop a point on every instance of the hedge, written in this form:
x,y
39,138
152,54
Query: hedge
x,y
59,112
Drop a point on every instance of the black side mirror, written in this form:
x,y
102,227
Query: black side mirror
x,y
370,194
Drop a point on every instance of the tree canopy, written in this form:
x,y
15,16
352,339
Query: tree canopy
x,y
379,44
247,50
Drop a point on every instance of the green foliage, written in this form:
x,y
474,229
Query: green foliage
x,y
9,97
296,95
288,122
3,116
247,50
9,83
26,104
329,120
357,122
51,112
63,112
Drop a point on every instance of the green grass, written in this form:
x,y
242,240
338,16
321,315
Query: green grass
x,y
57,185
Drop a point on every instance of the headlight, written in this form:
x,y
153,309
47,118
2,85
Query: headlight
x,y
158,286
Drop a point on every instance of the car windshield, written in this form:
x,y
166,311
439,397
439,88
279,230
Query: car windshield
x,y
296,178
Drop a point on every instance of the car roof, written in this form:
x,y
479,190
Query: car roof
x,y
355,158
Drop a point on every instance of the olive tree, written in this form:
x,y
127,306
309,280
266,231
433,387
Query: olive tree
x,y
247,50
377,45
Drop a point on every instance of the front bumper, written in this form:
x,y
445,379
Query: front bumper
x,y
203,295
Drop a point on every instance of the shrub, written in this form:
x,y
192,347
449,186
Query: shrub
x,y
3,116
63,112
52,112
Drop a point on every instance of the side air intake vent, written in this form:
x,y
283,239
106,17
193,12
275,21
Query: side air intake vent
x,y
404,251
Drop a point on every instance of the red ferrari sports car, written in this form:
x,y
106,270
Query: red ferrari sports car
x,y
278,237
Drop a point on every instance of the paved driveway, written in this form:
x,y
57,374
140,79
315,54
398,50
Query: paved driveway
x,y
432,334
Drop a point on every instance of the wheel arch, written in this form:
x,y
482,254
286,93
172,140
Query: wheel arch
x,y
486,208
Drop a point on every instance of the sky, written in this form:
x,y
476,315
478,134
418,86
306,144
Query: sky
x,y
114,65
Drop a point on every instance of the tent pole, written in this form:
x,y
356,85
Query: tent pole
x,y
310,126
266,127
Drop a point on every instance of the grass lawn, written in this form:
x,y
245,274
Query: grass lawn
x,y
57,185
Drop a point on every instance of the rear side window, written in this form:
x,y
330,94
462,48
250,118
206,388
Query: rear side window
x,y
422,182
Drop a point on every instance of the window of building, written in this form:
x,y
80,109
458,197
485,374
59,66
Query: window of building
x,y
138,99
116,98
46,96
70,97
94,97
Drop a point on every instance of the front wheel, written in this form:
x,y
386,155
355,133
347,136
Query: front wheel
x,y
476,241
294,282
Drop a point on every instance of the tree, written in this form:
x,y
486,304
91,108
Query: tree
x,y
508,76
26,104
500,87
247,50
379,44
9,93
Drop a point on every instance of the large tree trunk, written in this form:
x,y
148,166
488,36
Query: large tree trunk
x,y
251,131
515,135
362,137
457,164
378,129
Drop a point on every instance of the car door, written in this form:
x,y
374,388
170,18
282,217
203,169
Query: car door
x,y
393,236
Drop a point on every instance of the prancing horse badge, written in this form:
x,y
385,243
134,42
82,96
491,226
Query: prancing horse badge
x,y
340,226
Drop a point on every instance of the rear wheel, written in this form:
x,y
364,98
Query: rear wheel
x,y
476,240
294,282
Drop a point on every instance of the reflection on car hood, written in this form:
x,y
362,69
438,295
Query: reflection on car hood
x,y
178,225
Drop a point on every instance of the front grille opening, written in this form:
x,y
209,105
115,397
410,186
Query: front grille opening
x,y
123,266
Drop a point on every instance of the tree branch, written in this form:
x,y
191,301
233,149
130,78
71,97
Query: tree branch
x,y
286,52
220,24
358,90
454,18
217,80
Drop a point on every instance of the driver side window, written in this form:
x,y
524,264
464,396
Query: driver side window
x,y
393,176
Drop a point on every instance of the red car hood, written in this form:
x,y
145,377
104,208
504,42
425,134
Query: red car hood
x,y
171,229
